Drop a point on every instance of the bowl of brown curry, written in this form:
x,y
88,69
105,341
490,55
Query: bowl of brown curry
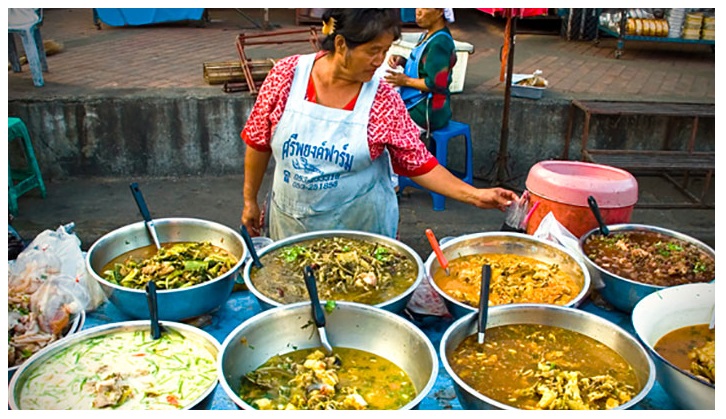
x,y
635,260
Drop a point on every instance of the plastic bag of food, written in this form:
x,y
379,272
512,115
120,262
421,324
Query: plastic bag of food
x,y
426,301
56,300
552,230
66,246
31,269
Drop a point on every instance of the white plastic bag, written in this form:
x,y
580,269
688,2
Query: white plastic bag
x,y
67,248
552,230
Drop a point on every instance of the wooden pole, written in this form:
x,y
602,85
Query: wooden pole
x,y
502,174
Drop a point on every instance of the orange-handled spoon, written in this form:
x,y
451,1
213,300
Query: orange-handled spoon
x,y
439,254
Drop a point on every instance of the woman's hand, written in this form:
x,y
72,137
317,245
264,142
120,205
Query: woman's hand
x,y
251,218
396,79
499,198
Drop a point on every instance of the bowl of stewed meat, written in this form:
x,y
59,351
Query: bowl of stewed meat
x,y
635,260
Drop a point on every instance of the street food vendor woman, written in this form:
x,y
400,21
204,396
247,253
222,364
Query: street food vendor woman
x,y
332,128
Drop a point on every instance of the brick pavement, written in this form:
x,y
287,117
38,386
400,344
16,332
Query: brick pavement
x,y
171,56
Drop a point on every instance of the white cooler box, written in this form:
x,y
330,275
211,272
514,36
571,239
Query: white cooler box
x,y
405,45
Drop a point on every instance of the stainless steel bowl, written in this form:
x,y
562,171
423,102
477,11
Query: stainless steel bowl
x,y
29,368
621,292
77,321
507,243
396,304
667,310
176,304
569,318
351,325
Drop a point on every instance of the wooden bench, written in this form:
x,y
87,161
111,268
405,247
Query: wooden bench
x,y
660,161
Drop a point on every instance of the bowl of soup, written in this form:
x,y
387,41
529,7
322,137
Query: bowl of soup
x,y
275,360
348,265
674,324
194,271
524,269
119,366
635,260
544,357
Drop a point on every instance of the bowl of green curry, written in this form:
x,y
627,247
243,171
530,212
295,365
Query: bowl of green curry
x,y
275,361
348,265
194,270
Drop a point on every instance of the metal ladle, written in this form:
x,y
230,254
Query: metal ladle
x,y
437,250
251,245
145,213
486,276
318,314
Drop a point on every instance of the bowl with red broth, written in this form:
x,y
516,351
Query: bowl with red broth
x,y
635,260
674,325
545,357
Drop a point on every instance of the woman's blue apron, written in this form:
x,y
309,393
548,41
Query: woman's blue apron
x,y
411,97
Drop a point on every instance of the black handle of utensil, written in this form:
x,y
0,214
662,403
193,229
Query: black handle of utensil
x,y
140,201
153,309
312,287
486,276
604,230
250,245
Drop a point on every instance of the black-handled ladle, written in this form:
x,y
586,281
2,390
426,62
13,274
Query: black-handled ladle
x,y
144,210
318,314
153,309
604,230
481,326
250,245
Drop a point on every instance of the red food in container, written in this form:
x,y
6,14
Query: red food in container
x,y
562,187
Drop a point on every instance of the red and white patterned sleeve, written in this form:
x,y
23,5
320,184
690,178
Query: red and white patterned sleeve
x,y
390,126
270,104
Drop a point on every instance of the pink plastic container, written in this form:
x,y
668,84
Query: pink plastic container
x,y
562,187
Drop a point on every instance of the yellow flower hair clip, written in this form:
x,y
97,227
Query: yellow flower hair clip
x,y
329,26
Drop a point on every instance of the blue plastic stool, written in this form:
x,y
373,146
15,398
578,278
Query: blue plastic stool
x,y
24,179
442,137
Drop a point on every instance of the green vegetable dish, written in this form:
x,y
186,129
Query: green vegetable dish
x,y
345,269
175,265
123,370
307,379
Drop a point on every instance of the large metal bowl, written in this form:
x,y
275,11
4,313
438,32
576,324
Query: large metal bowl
x,y
28,369
352,325
623,293
176,304
396,304
77,321
664,311
507,243
569,318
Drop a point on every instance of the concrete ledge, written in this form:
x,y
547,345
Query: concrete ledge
x,y
196,131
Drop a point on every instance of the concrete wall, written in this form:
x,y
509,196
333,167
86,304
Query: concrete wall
x,y
197,132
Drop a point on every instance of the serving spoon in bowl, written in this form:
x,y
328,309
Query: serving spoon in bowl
x,y
481,324
153,309
144,210
604,230
318,314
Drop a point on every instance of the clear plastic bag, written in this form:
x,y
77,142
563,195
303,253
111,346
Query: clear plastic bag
x,y
56,300
66,247
552,230
426,301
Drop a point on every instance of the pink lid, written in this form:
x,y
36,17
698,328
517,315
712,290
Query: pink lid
x,y
571,182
